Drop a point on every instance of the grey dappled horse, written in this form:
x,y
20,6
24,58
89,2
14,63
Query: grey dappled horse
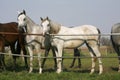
x,y
61,42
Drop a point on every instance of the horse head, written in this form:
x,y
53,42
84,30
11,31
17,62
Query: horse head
x,y
22,21
49,27
45,24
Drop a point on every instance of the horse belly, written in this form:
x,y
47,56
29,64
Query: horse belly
x,y
73,44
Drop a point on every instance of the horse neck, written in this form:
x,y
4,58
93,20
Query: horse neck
x,y
55,27
30,25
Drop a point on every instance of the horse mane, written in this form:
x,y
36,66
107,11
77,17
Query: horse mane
x,y
30,20
55,27
30,24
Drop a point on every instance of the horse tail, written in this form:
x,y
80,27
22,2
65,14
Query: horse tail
x,y
99,36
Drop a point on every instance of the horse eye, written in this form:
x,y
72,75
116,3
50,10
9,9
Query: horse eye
x,y
48,24
24,19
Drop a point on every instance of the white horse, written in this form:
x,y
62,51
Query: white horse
x,y
61,42
33,41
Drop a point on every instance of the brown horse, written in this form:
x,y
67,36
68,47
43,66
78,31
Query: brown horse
x,y
10,40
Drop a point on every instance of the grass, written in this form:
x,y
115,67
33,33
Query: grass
x,y
110,70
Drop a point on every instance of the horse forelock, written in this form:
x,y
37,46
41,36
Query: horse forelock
x,y
55,27
21,14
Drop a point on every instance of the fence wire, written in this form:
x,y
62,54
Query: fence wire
x,y
104,34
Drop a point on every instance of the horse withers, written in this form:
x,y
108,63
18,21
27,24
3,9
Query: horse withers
x,y
10,40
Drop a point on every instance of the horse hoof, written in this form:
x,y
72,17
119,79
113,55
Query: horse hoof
x,y
58,71
100,73
30,71
91,73
40,71
71,66
118,70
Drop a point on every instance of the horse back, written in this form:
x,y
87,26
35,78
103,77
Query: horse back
x,y
10,28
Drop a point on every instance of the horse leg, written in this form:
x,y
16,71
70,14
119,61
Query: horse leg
x,y
46,54
93,62
58,52
78,55
96,54
2,61
12,47
25,58
79,62
54,55
24,48
39,60
73,62
31,59
2,55
119,62
37,47
21,45
117,49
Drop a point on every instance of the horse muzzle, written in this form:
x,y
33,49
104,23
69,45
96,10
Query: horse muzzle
x,y
44,33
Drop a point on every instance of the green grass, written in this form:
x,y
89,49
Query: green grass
x,y
110,70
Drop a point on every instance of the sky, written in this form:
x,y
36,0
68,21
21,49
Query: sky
x,y
100,13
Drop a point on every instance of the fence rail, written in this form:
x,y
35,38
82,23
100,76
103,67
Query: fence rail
x,y
65,57
104,34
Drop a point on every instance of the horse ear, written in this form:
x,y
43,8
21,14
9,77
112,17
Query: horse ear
x,y
24,12
41,18
47,18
